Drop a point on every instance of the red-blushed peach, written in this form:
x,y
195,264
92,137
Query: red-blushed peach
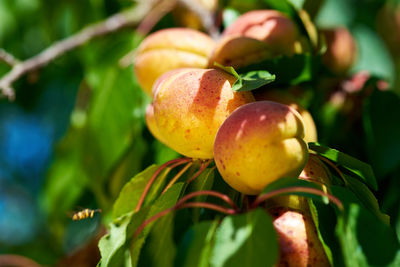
x,y
280,96
259,143
273,28
191,104
298,238
341,50
170,49
239,51
152,125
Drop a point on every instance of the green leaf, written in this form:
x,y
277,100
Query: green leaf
x,y
365,240
253,80
373,55
245,240
205,181
282,6
165,201
228,69
196,247
383,130
113,245
132,191
361,169
288,70
366,197
248,81
229,15
160,249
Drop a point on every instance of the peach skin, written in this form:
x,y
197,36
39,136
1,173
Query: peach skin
x,y
170,49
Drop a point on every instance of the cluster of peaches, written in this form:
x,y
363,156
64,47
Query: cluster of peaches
x,y
255,137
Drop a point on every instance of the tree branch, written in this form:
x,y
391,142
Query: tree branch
x,y
130,17
8,58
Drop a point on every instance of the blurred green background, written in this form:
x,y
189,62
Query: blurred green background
x,y
76,133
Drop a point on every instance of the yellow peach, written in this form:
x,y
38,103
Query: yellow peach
x,y
259,143
170,49
191,104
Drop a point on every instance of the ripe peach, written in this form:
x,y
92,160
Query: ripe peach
x,y
191,104
341,50
239,51
151,123
316,171
170,49
298,238
310,130
269,26
259,143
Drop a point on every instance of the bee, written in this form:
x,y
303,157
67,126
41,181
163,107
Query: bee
x,y
84,214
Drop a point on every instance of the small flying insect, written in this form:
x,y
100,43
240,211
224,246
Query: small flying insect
x,y
84,214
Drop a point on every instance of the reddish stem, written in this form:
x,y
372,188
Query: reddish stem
x,y
176,177
209,193
155,175
210,206
314,191
181,205
203,166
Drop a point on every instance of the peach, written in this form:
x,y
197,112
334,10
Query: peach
x,y
341,50
298,238
170,49
316,171
152,125
239,51
280,96
191,104
259,143
273,28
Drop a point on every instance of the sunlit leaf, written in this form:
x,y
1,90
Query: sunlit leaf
x,y
245,240
363,170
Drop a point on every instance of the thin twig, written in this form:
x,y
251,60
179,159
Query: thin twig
x,y
8,58
207,17
153,178
130,17
299,189
181,204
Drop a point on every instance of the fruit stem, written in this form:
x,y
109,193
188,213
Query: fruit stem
x,y
176,177
181,205
260,199
155,175
203,166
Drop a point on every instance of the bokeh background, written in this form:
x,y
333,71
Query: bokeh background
x,y
76,132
